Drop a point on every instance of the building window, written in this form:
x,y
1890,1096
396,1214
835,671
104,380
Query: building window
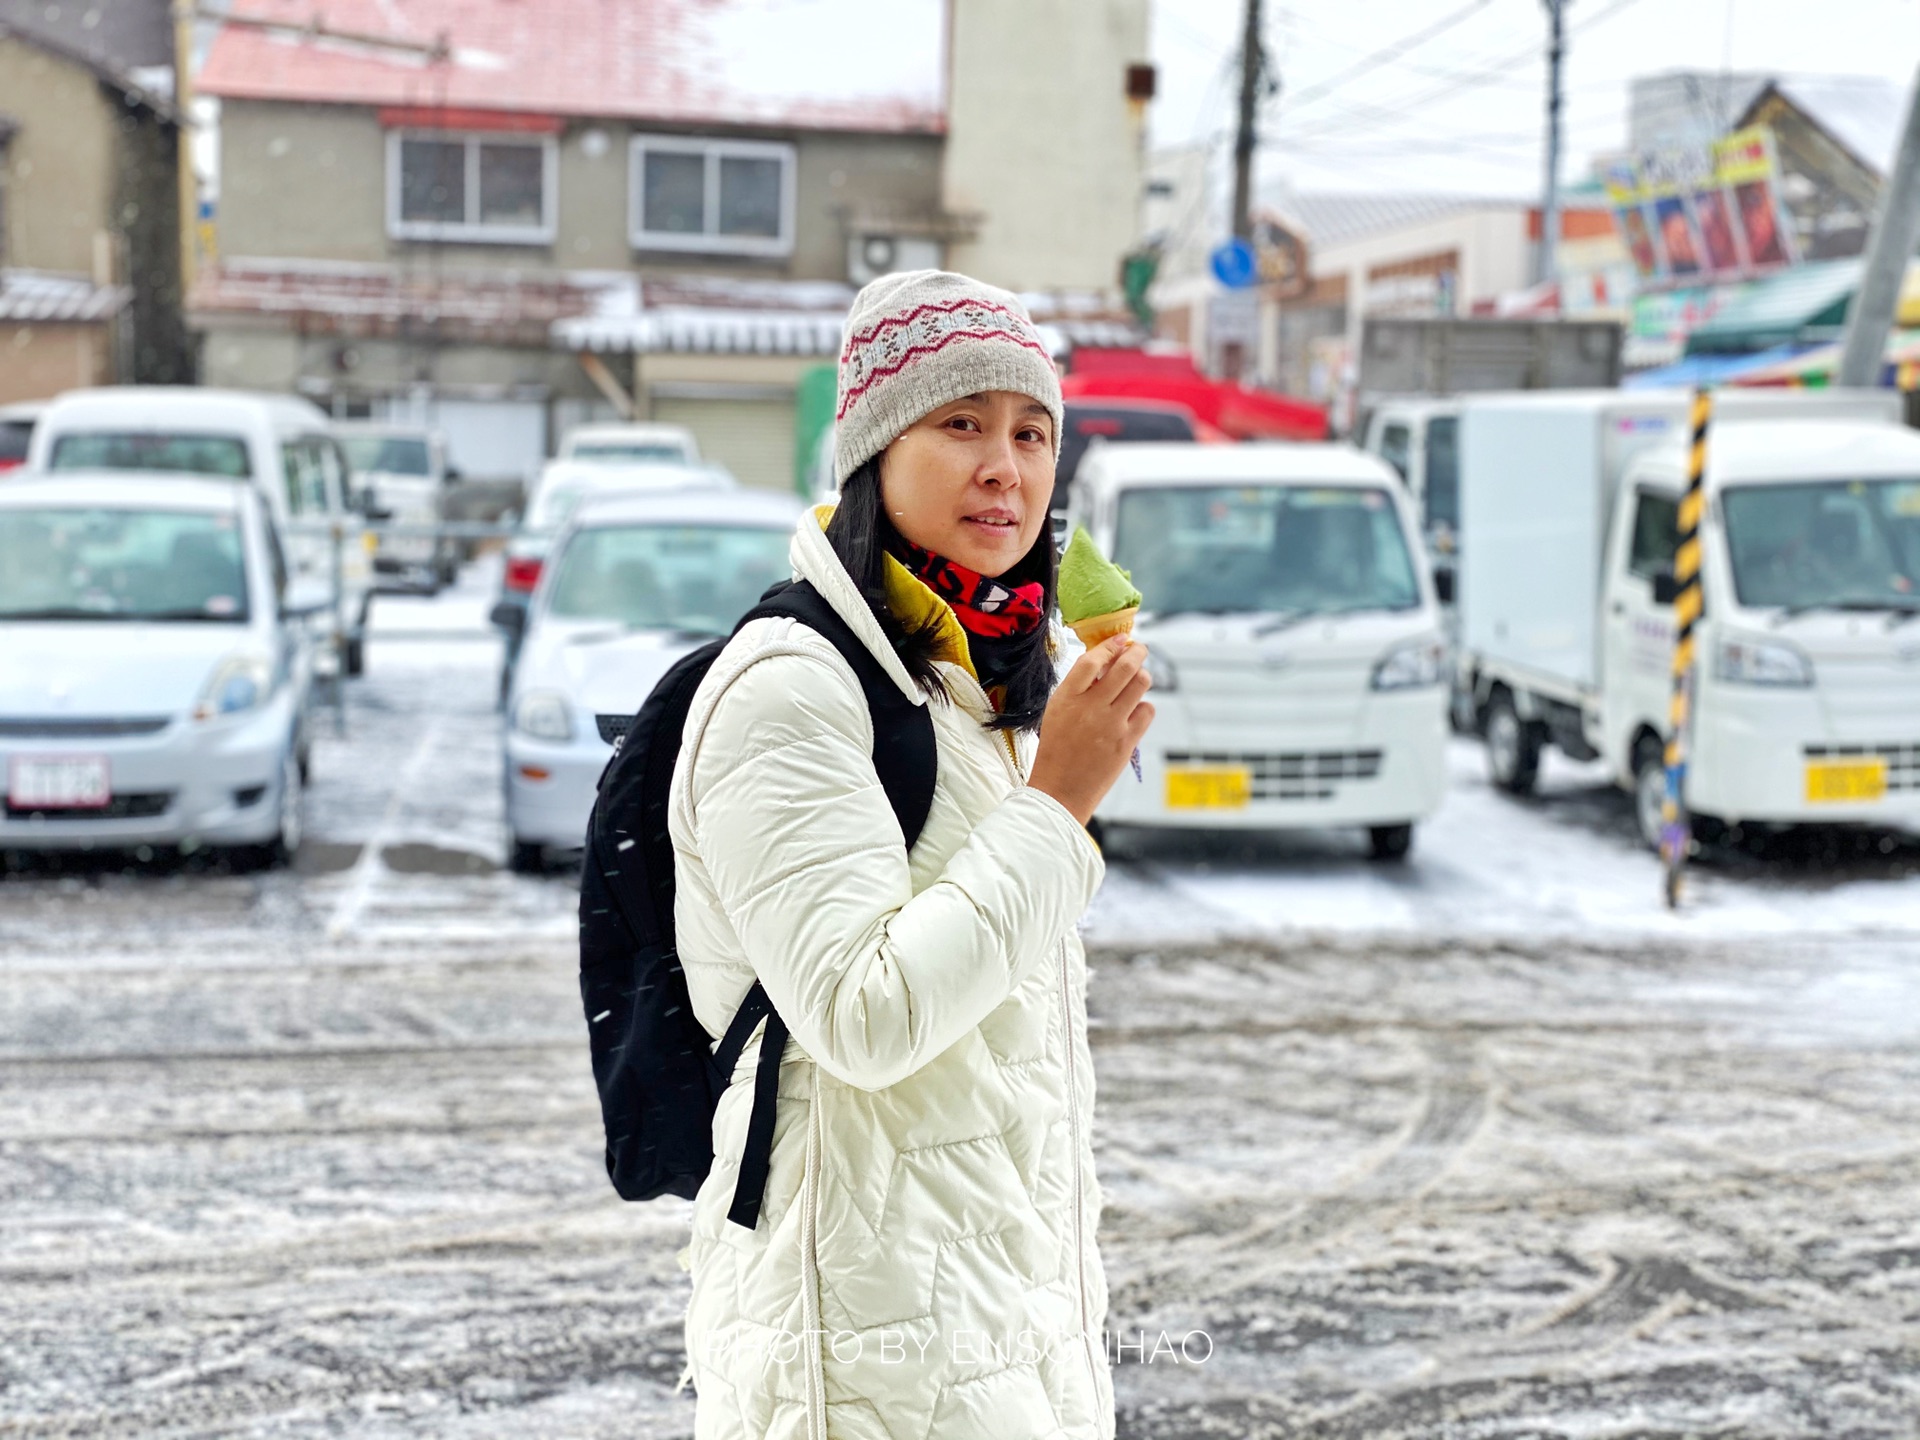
x,y
490,188
729,197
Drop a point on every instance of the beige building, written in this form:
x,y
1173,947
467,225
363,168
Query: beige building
x,y
507,219
89,233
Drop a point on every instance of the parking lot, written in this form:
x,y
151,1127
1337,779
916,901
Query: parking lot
x,y
1486,1144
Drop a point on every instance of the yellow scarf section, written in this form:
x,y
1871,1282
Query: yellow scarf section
x,y
914,605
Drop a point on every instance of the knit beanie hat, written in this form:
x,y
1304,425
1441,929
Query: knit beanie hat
x,y
922,339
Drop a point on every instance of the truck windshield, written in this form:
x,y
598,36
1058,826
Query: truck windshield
x,y
186,454
1843,543
102,564
388,454
1443,472
699,578
1296,549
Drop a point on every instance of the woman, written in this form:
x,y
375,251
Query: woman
x,y
924,1263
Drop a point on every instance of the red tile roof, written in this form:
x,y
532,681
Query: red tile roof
x,y
863,65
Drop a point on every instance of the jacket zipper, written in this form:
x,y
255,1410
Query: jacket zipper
x,y
1073,1117
809,1288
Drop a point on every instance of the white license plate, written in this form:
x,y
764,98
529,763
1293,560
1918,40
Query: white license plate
x,y
63,782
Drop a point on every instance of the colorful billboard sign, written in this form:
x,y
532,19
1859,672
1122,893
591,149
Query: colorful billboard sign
x,y
1703,213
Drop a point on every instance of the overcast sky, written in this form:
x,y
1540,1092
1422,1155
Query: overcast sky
x,y
1463,110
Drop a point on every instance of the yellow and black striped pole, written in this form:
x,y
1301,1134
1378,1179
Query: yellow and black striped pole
x,y
1676,836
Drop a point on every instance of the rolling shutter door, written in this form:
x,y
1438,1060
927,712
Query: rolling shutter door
x,y
752,438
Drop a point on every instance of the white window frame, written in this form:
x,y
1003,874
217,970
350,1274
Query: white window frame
x,y
541,234
708,241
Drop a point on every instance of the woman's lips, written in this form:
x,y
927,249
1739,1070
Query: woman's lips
x,y
993,522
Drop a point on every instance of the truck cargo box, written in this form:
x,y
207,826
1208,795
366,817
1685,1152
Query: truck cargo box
x,y
1538,476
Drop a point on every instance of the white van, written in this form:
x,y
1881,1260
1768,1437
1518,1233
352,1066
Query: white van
x,y
284,445
1295,644
1807,681
631,444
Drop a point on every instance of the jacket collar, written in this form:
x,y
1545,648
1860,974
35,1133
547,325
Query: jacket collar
x,y
908,597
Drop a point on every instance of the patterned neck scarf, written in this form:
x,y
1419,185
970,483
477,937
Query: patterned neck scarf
x,y
984,606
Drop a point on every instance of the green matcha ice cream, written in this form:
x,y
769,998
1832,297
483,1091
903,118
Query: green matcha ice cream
x,y
1094,589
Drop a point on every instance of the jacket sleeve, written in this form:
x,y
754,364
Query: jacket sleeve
x,y
810,866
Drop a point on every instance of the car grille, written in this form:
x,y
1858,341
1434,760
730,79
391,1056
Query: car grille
x,y
613,728
134,806
1290,774
79,727
1903,761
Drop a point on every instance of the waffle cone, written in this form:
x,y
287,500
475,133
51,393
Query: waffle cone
x,y
1096,628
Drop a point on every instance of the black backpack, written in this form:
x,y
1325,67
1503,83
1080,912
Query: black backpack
x,y
658,1075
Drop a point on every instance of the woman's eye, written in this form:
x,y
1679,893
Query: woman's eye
x,y
966,420
1032,434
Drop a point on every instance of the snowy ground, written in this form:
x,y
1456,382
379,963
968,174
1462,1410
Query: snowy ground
x,y
1485,1145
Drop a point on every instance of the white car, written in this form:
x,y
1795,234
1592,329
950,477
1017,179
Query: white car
x,y
152,690
403,470
638,444
1295,644
630,587
283,445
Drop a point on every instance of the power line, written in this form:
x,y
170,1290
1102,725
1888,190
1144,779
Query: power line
x,y
1388,54
1474,78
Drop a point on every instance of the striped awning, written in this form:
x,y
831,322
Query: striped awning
x,y
40,296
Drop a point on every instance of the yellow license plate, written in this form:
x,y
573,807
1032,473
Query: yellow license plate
x,y
1222,789
1842,780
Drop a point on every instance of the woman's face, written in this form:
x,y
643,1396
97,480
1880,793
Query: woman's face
x,y
972,480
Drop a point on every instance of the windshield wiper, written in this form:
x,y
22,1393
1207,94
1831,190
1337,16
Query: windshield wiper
x,y
68,612
1844,603
1155,617
1286,620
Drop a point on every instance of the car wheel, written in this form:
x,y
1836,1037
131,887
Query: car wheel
x,y
526,857
281,850
1649,789
1513,746
1390,842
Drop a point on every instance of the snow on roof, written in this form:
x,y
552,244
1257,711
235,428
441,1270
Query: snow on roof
x,y
1862,112
872,65
29,295
359,299
713,316
1333,219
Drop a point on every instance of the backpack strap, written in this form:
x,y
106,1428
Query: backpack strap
x,y
906,757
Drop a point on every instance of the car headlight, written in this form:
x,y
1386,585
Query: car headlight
x,y
543,715
1160,670
1419,662
240,683
1747,660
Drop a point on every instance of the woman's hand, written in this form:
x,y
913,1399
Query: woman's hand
x,y
1092,724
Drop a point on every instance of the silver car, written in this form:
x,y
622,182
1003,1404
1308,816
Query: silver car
x,y
632,585
153,675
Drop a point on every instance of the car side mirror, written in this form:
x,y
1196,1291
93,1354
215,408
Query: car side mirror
x,y
454,477
1666,589
1443,583
508,616
305,595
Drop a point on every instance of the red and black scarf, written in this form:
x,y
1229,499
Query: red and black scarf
x,y
984,606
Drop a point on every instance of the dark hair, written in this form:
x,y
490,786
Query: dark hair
x,y
861,535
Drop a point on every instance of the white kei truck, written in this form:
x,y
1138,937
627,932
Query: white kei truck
x,y
1298,661
1806,699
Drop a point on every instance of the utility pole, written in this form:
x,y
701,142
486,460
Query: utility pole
x,y
1545,268
1251,59
1894,231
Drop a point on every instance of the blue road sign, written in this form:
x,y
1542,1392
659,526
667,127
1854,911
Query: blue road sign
x,y
1233,263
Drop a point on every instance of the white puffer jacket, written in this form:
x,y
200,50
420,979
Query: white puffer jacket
x,y
925,1265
